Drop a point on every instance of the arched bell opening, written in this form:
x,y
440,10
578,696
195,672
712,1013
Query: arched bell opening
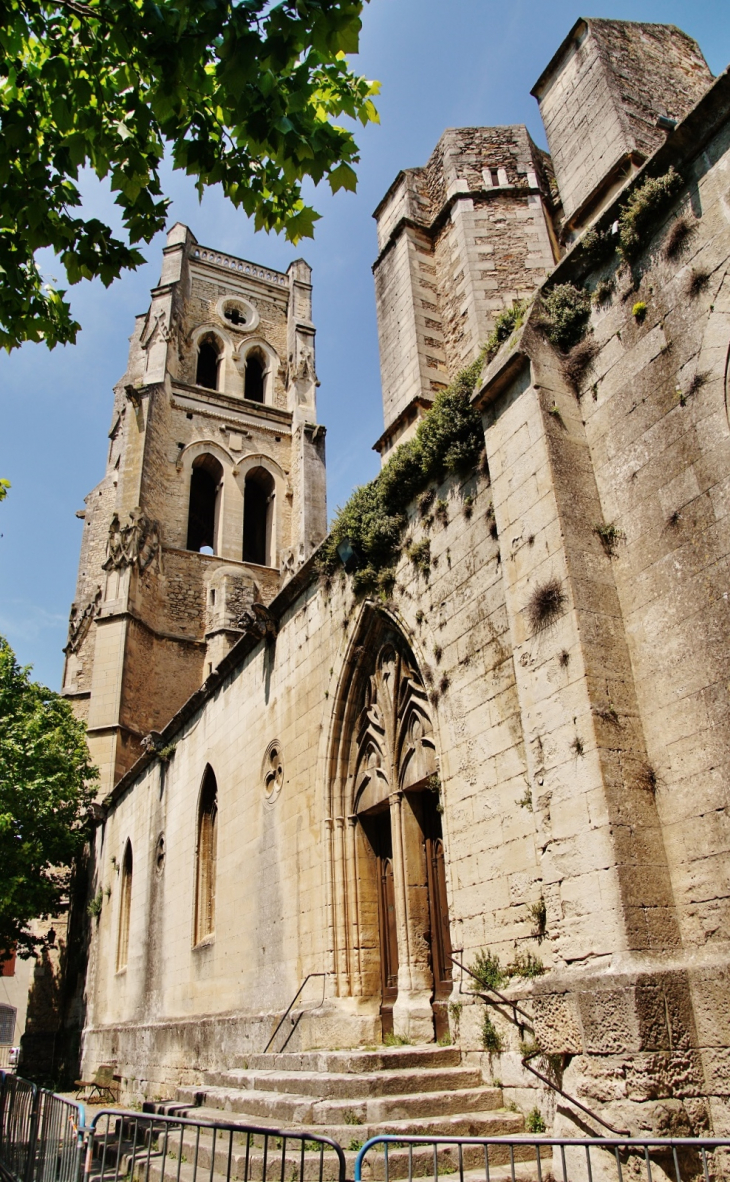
x,y
208,363
258,517
391,925
206,483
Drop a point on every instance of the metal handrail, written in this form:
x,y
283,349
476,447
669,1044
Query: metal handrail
x,y
289,1008
545,1079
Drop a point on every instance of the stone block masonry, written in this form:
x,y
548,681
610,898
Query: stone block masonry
x,y
522,748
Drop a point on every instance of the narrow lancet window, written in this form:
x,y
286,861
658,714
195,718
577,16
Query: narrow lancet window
x,y
204,509
255,376
258,517
205,869
208,368
125,908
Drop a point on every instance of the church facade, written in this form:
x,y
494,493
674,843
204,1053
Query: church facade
x,y
522,751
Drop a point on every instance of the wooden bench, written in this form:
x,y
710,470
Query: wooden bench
x,y
104,1085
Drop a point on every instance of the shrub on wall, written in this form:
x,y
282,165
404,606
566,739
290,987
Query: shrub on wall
x,y
564,314
449,439
638,215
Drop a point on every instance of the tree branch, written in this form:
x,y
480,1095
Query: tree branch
x,y
78,8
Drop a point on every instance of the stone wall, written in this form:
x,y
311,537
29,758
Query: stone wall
x,y
560,660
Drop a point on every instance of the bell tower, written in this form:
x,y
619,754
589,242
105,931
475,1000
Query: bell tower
x,y
214,492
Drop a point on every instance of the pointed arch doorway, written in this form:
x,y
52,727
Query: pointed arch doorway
x,y
391,919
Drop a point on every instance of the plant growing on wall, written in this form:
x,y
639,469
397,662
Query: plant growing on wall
x,y
545,605
487,971
611,536
535,1122
491,1038
639,214
506,323
449,440
564,314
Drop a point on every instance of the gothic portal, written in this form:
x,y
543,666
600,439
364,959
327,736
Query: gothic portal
x,y
387,849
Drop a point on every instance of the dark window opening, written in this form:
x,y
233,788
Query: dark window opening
x,y
125,908
254,385
258,507
205,482
235,316
205,871
206,373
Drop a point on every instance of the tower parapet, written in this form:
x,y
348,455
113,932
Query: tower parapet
x,y
600,98
458,241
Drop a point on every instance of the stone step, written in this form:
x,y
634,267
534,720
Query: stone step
x,y
501,1123
347,1085
356,1061
287,1108
287,1163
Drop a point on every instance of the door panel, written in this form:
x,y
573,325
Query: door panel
x,y
378,829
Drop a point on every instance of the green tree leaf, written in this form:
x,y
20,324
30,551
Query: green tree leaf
x,y
241,93
46,785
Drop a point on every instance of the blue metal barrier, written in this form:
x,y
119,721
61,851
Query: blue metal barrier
x,y
526,1158
41,1134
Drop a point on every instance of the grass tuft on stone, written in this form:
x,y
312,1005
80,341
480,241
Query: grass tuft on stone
x,y
545,605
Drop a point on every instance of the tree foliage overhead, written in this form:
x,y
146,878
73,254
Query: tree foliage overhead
x,y
241,93
46,786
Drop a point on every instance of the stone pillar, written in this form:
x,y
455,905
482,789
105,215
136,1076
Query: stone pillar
x,y
412,1013
610,911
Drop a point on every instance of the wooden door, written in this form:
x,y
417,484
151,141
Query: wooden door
x,y
383,845
439,914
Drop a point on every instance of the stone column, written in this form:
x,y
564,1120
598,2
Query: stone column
x,y
412,1013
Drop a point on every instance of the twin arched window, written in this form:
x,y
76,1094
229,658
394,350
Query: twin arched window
x,y
125,908
210,361
206,482
205,858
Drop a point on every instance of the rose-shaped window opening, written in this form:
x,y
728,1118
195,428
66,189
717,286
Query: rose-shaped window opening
x,y
273,771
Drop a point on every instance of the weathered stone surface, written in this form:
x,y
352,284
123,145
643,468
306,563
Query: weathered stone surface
x,y
443,770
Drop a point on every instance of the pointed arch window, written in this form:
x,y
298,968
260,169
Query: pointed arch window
x,y
125,908
206,854
207,370
206,481
258,517
255,379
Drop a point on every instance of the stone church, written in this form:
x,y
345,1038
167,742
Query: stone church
x,y
515,762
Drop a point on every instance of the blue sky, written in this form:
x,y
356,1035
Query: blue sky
x,y
442,63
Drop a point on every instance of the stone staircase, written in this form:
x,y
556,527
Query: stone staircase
x,y
352,1096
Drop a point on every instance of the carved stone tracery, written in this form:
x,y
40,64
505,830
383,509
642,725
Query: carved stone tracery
x,y
136,544
80,621
394,746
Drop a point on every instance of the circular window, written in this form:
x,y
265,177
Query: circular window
x,y
273,771
238,313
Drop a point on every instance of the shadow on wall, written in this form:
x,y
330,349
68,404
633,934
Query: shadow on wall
x,y
51,1045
